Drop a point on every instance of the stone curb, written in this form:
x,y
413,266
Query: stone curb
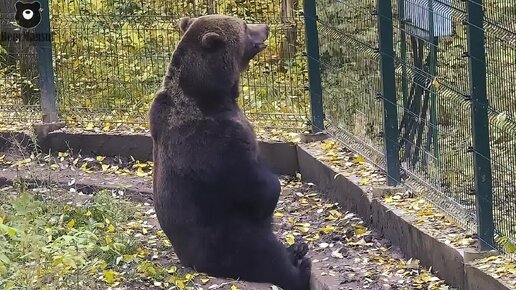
x,y
448,263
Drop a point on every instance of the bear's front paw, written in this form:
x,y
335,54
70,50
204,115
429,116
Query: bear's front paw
x,y
297,251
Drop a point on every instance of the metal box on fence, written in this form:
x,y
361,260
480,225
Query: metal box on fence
x,y
417,17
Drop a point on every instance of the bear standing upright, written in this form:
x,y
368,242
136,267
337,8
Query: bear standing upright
x,y
213,196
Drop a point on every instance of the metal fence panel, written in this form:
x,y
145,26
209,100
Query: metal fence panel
x,y
19,81
500,38
110,57
350,73
435,126
439,72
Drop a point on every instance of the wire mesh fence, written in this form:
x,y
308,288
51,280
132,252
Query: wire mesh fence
x,y
432,81
349,61
500,43
455,110
18,72
110,56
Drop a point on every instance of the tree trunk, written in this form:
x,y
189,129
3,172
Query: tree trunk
x,y
289,43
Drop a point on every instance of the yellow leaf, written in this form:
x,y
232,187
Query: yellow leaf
x,y
85,168
11,232
54,166
111,228
278,214
140,172
70,224
103,265
172,270
105,167
128,258
89,126
290,239
100,158
303,227
204,281
359,160
1,220
109,275
180,284
25,161
328,145
327,229
360,230
88,213
363,181
436,84
388,199
140,165
233,287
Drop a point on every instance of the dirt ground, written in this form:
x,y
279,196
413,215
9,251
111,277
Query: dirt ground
x,y
345,253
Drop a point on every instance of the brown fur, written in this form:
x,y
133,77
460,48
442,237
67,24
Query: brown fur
x,y
213,195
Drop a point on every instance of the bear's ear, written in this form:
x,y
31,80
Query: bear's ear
x,y
212,40
19,5
185,23
37,5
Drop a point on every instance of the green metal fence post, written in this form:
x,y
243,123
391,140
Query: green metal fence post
x,y
390,120
403,53
45,66
314,69
480,122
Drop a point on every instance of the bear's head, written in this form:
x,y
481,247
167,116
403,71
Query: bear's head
x,y
214,51
28,15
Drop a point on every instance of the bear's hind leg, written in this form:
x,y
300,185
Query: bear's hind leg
x,y
260,258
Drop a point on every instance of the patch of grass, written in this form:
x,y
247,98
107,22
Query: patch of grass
x,y
51,243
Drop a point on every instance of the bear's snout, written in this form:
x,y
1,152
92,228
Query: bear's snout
x,y
258,32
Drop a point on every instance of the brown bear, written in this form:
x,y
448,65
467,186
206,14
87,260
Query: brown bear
x,y
214,196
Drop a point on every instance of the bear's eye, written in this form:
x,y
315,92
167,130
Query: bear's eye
x,y
28,14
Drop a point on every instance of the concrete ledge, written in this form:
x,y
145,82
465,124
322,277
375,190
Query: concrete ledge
x,y
138,146
280,157
448,263
337,187
14,139
478,280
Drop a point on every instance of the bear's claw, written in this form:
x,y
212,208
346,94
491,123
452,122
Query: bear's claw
x,y
297,251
